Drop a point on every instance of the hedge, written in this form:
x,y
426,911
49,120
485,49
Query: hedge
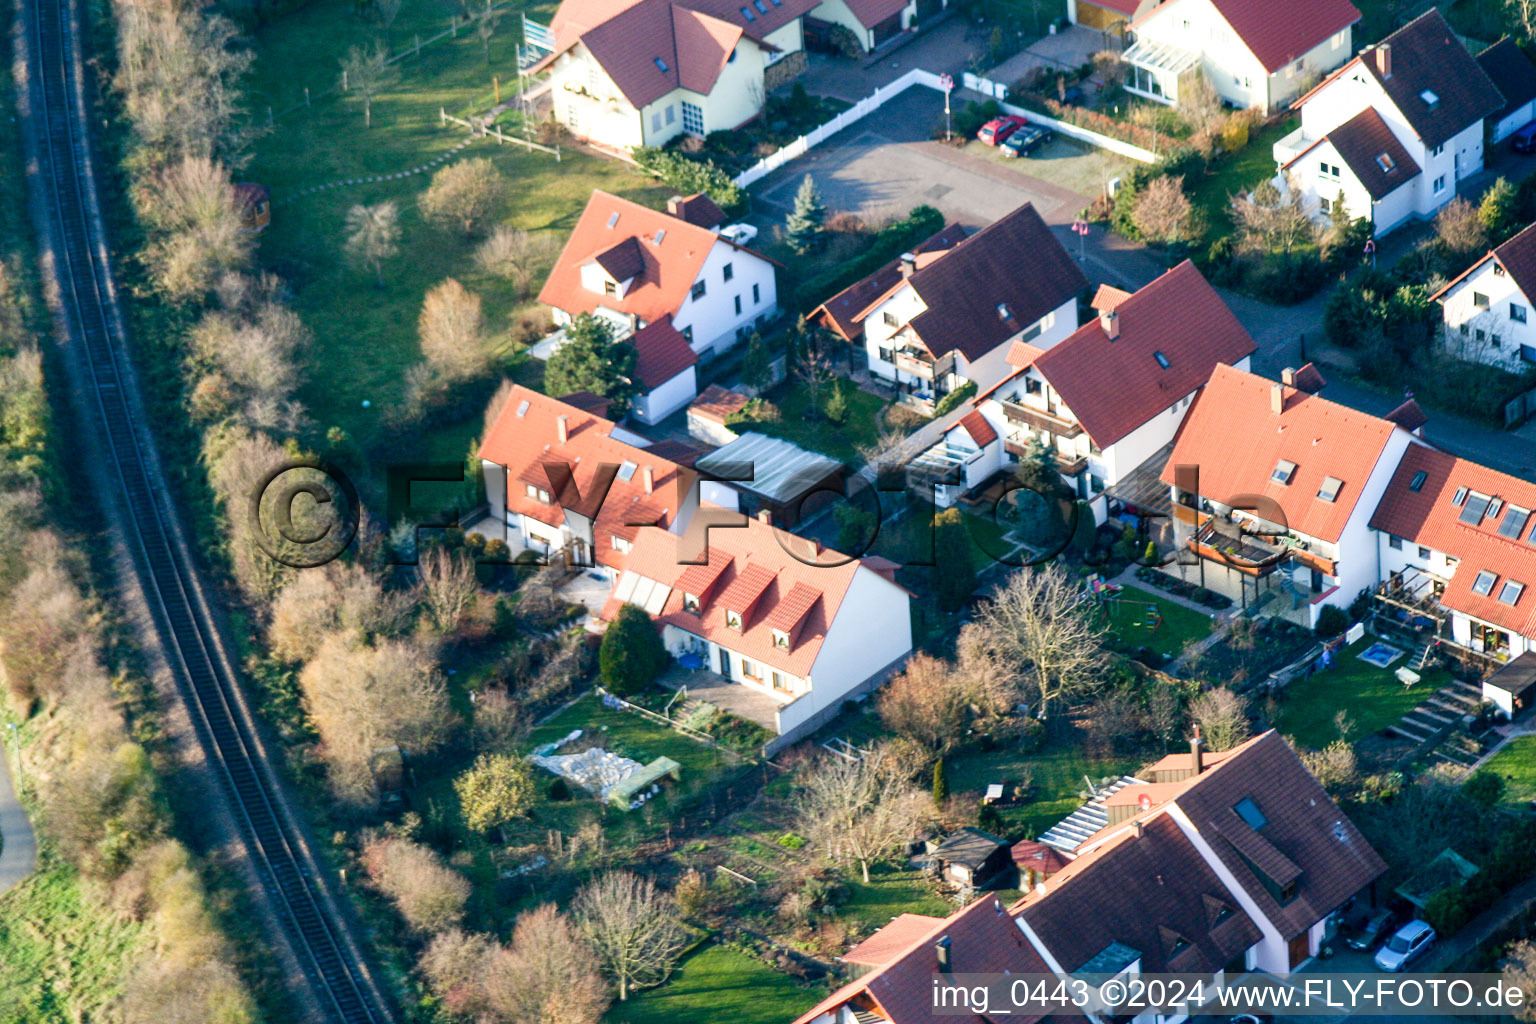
x,y
1095,121
949,402
690,176
887,244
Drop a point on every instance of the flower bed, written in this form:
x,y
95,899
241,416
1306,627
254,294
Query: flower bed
x,y
1182,588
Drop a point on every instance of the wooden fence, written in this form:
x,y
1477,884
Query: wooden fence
x,y
480,128
1519,409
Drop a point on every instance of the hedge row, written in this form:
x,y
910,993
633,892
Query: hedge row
x,y
887,244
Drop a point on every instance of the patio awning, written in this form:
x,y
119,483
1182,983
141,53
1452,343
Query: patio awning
x,y
1160,57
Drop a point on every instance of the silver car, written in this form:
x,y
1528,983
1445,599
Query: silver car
x,y
1406,945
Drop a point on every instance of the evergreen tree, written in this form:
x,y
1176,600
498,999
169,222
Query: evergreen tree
x,y
631,654
1496,212
805,223
940,784
757,364
836,408
590,360
954,562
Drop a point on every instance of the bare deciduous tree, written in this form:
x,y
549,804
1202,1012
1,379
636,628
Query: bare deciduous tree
x,y
429,894
1525,13
1270,220
447,587
366,72
1335,766
858,811
938,703
364,698
485,27
373,235
1162,210
631,927
1519,970
516,255
1460,229
182,993
545,976
455,964
1038,622
1199,103
340,598
465,195
452,331
189,207
1222,716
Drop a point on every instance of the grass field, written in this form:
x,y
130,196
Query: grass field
x,y
64,957
718,984
810,430
1057,774
1129,630
365,337
1211,194
1517,764
889,892
1372,697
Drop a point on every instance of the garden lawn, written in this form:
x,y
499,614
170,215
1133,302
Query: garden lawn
x,y
1372,697
1517,764
889,892
365,336
812,431
1212,193
1180,626
1057,773
718,984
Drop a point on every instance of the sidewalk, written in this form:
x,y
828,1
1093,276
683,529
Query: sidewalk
x,y
18,857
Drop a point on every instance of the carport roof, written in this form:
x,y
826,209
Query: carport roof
x,y
781,471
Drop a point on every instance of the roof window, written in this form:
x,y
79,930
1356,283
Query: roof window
x,y
1284,470
1249,812
1330,489
1417,483
1386,163
1514,523
661,65
660,234
627,471
1430,99
522,408
762,8
1472,511
1483,585
746,12
1003,312
1511,592
1162,360
1460,496
613,218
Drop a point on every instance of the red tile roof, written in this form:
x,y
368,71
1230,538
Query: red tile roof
x,y
1108,297
755,566
872,12
1430,516
983,939
975,424
697,209
1036,856
668,268
1277,40
843,312
1233,435
1113,387
526,443
892,940
716,403
1373,154
662,353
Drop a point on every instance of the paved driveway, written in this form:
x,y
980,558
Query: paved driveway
x,y
19,855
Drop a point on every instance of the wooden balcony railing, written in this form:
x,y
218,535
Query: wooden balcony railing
x,y
1042,420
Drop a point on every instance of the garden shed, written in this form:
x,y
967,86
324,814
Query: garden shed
x,y
975,858
1512,687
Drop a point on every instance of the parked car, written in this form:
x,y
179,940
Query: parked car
x,y
1372,930
1025,140
1406,945
999,128
741,234
1524,140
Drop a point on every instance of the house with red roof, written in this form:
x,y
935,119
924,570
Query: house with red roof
x,y
1108,399
1108,15
629,73
804,627
1388,135
568,482
1486,309
1274,489
1457,546
668,281
1255,57
949,314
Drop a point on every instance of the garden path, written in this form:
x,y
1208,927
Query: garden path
x,y
430,165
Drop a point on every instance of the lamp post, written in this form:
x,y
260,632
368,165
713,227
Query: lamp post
x,y
1080,228
947,83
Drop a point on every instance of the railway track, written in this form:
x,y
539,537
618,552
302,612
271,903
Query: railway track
x,y
337,978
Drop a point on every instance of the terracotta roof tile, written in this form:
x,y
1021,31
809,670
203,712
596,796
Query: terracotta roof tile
x,y
1512,71
872,12
1518,255
1108,297
975,424
716,403
1426,56
1233,435
662,353
1276,41
697,209
892,940
751,582
1013,265
791,611
1431,517
1410,415
622,260
1373,153
1310,379
1113,387
842,312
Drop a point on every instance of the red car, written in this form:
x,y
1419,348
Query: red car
x,y
999,128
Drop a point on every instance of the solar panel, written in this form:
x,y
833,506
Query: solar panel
x,y
658,598
626,587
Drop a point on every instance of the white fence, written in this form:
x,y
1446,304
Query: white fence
x,y
479,127
918,76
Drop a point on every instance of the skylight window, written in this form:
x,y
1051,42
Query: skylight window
x,y
1162,360
660,234
1514,523
1249,812
1495,506
1510,595
522,409
1330,489
661,65
613,218
1430,99
1284,470
1483,585
1460,496
746,12
1002,311
1417,484
1472,511
627,471
1386,163
762,8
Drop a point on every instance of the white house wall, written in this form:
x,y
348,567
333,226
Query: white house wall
x,y
1312,175
1459,310
789,38
713,317
662,402
1514,121
588,102
872,629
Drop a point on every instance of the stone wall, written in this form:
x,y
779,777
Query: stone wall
x,y
785,71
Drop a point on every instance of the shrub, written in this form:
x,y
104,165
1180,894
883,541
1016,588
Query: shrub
x,y
886,244
791,841
950,402
689,176
1331,621
631,653
1484,788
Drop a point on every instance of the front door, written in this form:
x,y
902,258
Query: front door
x,y
1299,950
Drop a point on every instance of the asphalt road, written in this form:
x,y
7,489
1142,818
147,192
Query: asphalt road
x,y
18,856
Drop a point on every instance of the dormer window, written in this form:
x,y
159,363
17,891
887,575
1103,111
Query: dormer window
x,y
1003,312
1284,470
537,493
1386,163
691,603
781,639
733,620
1287,894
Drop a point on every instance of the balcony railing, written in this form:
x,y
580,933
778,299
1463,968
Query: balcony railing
x,y
1042,420
909,362
1067,465
1223,542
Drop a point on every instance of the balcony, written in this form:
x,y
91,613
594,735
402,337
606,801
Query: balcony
x,y
1040,419
1292,146
1067,465
909,361
1224,542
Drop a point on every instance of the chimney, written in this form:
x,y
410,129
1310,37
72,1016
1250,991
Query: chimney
x,y
675,206
634,322
765,517
1277,399
561,429
1288,376
1196,758
908,264
1110,321
942,948
1384,59
1137,828
648,478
